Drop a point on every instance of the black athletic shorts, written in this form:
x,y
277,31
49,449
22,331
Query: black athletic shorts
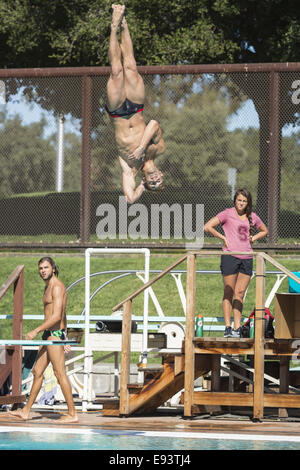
x,y
232,265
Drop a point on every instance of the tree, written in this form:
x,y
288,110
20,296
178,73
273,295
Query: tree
x,y
27,158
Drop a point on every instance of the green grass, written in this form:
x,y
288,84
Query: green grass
x,y
73,239
208,296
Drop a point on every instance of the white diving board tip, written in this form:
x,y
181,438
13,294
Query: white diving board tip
x,y
26,342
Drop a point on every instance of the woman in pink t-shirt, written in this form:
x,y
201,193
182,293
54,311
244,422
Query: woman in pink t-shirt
x,y
238,224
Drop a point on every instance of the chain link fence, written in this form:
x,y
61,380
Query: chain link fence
x,y
225,127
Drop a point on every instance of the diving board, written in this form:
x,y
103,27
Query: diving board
x,y
27,342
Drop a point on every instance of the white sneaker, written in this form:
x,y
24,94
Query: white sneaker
x,y
236,333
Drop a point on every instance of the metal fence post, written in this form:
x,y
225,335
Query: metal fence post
x,y
85,201
274,159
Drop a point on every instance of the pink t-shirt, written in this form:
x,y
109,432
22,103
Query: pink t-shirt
x,y
237,231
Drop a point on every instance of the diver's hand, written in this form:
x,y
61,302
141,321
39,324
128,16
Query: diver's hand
x,y
138,154
31,335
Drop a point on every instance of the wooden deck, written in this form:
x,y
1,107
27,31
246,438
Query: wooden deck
x,y
220,345
162,420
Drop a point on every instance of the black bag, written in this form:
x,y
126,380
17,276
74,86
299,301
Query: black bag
x,y
269,328
113,326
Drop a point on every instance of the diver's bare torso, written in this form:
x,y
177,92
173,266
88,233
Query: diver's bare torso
x,y
128,134
48,302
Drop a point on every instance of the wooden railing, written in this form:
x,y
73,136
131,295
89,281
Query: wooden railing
x,y
13,363
190,257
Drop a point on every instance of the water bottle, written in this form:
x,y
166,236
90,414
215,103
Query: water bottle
x,y
199,326
252,327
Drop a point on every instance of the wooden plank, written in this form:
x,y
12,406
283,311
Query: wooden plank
x,y
215,373
287,315
280,267
148,284
200,363
276,400
110,412
221,345
135,387
10,280
223,398
16,278
258,393
152,368
281,400
179,364
110,407
282,321
10,399
284,382
282,347
223,349
5,369
221,252
221,339
189,334
125,358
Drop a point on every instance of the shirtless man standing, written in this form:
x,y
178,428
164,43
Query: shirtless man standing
x,y
54,328
137,143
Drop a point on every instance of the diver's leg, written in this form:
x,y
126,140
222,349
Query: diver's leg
x,y
134,84
115,87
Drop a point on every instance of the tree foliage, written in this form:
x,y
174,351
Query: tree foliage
x,y
35,33
28,158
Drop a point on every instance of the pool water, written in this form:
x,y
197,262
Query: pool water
x,y
12,438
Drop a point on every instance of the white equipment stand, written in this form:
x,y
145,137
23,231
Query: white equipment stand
x,y
88,354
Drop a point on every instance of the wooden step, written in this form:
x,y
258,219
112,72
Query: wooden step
x,y
150,368
106,397
135,387
221,345
159,388
111,407
165,386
